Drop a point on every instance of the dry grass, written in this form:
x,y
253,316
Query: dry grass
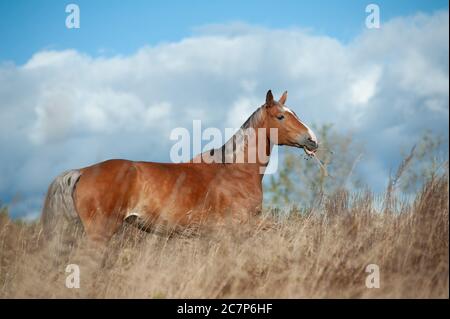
x,y
318,254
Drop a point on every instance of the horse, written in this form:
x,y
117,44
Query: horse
x,y
213,186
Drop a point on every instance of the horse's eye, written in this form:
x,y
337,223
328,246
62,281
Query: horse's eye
x,y
280,117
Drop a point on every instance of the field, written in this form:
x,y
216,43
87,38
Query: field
x,y
316,253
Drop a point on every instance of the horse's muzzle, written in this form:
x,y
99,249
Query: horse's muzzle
x,y
311,144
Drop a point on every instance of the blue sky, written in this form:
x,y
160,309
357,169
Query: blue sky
x,y
109,27
116,87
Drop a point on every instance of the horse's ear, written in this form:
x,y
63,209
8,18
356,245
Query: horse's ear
x,y
283,98
269,98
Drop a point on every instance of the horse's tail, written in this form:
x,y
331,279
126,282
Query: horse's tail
x,y
59,207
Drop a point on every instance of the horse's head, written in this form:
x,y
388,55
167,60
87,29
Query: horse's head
x,y
291,131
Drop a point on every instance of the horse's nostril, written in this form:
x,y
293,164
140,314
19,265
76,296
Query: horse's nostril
x,y
313,142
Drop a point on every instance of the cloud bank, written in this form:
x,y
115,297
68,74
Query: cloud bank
x,y
65,109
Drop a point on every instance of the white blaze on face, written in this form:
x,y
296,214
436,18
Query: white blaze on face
x,y
310,132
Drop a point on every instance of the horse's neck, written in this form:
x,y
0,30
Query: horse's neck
x,y
249,146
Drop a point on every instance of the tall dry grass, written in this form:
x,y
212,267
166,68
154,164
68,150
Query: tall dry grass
x,y
320,253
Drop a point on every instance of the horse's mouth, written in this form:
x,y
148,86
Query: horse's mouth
x,y
308,151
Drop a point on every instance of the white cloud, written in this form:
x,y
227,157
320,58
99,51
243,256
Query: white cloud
x,y
363,88
65,109
240,111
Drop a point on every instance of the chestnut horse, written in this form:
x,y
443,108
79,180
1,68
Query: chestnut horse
x,y
169,196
